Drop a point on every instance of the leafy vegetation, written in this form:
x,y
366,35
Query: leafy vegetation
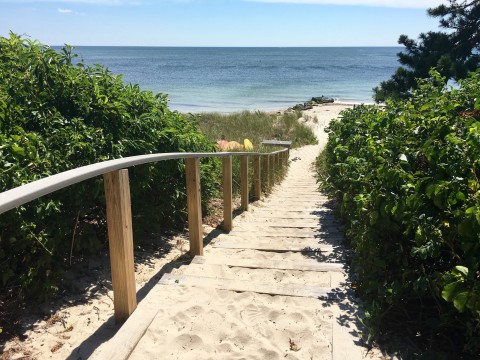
x,y
54,116
407,181
454,53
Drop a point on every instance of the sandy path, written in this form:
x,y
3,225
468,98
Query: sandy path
x,y
199,321
174,322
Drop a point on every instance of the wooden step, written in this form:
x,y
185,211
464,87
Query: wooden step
x,y
244,286
296,202
313,225
294,226
318,210
277,246
322,218
269,264
296,234
295,195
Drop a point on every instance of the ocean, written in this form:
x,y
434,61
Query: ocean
x,y
233,79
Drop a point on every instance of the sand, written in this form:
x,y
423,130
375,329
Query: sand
x,y
182,322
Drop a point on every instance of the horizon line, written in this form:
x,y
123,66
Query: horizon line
x,y
238,47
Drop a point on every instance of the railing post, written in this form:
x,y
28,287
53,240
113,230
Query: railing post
x,y
120,240
285,157
272,171
227,193
266,172
244,181
257,181
194,205
279,167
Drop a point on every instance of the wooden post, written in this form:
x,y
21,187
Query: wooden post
x,y
227,193
257,181
120,240
266,172
279,168
194,205
244,181
272,171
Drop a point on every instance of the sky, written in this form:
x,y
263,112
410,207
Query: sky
x,y
276,23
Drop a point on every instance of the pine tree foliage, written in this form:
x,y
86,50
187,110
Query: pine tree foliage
x,y
454,54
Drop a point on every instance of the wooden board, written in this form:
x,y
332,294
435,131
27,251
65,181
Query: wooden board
x,y
330,218
315,224
297,201
277,245
291,194
308,210
269,264
244,286
299,235
295,226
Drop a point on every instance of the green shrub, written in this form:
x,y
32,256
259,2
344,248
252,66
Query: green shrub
x,y
55,116
407,180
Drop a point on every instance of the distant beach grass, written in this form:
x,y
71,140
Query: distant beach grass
x,y
256,126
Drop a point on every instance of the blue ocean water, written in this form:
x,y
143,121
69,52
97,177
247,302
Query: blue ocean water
x,y
233,79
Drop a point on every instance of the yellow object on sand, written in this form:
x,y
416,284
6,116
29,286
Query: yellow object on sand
x,y
247,144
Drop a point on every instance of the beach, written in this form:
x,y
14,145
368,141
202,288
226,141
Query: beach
x,y
215,323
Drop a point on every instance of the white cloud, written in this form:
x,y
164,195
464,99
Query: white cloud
x,y
422,4
64,11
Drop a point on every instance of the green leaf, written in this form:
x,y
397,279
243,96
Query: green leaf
x,y
18,150
449,291
461,270
460,300
460,196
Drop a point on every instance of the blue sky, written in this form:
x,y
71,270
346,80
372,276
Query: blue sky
x,y
217,22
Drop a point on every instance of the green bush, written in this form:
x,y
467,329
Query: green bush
x,y
407,180
55,116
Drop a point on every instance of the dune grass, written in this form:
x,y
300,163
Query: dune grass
x,y
256,126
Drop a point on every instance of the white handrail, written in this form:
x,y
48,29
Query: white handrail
x,y
25,193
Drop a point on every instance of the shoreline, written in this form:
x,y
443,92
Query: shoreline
x,y
268,109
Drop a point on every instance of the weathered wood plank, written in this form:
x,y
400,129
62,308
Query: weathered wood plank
x,y
269,264
273,171
227,193
299,235
315,224
295,195
277,246
311,210
266,173
257,181
244,181
296,202
276,227
120,239
246,286
194,206
322,217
